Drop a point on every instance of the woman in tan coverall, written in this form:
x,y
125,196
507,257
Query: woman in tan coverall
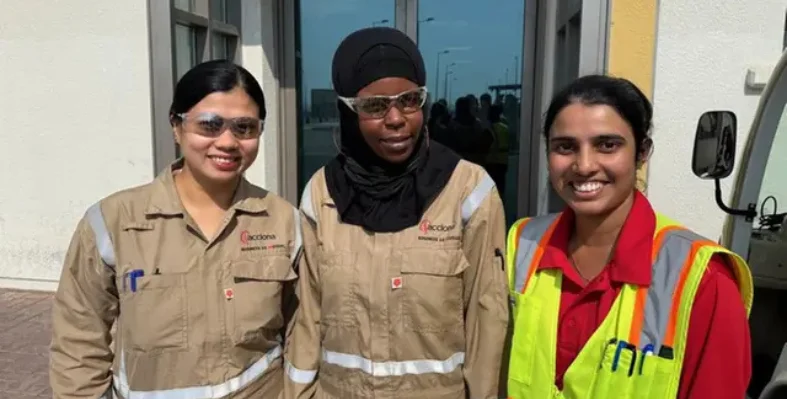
x,y
402,287
194,268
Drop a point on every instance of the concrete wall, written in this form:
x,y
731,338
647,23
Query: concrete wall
x,y
76,124
703,50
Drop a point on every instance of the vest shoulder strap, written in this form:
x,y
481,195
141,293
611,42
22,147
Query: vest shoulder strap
x,y
680,260
531,234
103,240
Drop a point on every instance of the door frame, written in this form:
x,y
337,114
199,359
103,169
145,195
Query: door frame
x,y
748,182
537,71
594,31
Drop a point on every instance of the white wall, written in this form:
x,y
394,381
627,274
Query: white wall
x,y
258,56
703,51
76,123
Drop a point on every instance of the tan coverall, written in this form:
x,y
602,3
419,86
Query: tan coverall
x,y
204,321
417,314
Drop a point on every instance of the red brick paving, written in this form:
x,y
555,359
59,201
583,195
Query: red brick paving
x,y
25,323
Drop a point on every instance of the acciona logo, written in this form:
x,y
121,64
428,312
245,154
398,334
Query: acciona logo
x,y
247,237
427,226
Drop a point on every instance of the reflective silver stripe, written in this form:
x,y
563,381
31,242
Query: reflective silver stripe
x,y
103,239
204,392
306,202
476,197
298,237
666,270
299,376
532,232
394,369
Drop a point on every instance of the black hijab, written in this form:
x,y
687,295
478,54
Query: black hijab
x,y
368,191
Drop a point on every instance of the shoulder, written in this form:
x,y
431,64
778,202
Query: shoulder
x,y
473,186
314,192
129,201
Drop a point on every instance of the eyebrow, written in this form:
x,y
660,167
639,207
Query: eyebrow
x,y
603,136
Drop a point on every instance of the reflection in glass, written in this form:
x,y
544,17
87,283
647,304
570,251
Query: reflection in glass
x,y
221,46
566,69
473,54
185,49
185,5
218,11
323,25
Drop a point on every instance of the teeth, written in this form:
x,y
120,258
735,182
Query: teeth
x,y
587,187
222,160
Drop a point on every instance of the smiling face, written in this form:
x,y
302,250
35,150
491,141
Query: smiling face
x,y
592,158
214,153
392,137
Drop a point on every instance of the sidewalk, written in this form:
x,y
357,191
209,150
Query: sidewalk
x,y
24,344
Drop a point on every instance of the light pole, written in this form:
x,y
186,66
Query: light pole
x,y
437,74
451,89
382,21
418,29
445,81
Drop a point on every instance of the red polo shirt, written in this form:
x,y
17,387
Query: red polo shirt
x,y
718,360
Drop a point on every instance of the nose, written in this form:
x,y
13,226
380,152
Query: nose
x,y
394,119
226,140
585,163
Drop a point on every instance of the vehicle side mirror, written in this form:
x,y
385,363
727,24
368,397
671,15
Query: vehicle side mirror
x,y
714,155
714,145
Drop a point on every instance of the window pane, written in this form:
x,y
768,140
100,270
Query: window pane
x,y
185,5
218,10
221,46
185,49
473,51
323,24
773,180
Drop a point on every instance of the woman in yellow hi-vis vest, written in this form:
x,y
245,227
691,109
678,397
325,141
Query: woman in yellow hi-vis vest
x,y
612,299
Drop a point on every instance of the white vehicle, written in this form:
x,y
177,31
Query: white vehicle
x,y
756,227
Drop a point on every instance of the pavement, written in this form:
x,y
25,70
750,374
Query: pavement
x,y
25,328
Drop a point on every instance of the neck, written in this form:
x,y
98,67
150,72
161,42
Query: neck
x,y
601,230
201,193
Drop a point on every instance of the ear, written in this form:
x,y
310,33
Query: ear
x,y
176,129
645,152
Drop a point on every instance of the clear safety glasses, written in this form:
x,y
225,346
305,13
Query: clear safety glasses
x,y
377,106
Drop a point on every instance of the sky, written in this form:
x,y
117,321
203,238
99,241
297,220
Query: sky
x,y
483,39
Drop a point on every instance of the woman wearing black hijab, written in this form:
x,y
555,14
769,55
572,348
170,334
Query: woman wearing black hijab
x,y
402,286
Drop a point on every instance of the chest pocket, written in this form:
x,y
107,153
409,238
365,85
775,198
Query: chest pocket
x,y
153,318
624,372
433,289
340,277
255,302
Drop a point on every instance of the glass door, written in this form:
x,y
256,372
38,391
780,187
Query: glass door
x,y
573,39
474,55
322,25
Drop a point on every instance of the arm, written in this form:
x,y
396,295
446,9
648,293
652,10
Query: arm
x,y
718,349
486,298
83,311
302,352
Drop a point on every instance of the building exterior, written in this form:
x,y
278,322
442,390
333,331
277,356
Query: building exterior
x,y
86,87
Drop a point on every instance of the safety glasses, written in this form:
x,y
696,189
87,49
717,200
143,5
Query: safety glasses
x,y
212,125
377,106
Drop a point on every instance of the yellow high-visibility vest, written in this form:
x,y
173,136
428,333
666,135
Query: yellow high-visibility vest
x,y
637,352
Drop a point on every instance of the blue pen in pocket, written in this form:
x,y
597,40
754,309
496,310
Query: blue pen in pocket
x,y
132,278
646,351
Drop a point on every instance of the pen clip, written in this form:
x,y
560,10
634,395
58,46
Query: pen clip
x,y
647,350
620,347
